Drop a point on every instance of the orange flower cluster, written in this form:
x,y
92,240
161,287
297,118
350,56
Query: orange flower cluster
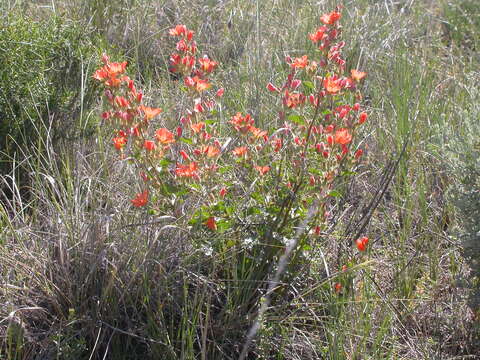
x,y
327,82
184,62
322,134
319,113
132,119
242,124
109,72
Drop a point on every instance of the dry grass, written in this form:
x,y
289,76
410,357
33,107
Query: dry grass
x,y
84,276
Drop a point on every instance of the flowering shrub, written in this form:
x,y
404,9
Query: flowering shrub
x,y
269,180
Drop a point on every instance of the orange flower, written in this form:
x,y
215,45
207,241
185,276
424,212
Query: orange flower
x,y
182,45
210,150
189,81
135,131
357,75
201,85
116,68
222,192
319,34
338,287
119,142
358,153
332,84
164,136
189,170
257,133
343,136
293,100
330,19
149,112
220,92
206,64
149,145
178,30
197,127
262,169
300,63
362,118
240,151
113,82
190,34
140,199
242,123
361,243
211,223
121,101
277,144
184,155
272,88
109,72
101,74
199,108
188,61
197,83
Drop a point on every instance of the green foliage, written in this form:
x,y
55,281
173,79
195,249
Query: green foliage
x,y
462,155
44,70
462,23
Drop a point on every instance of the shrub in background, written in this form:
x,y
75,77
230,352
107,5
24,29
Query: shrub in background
x,y
43,67
462,23
463,159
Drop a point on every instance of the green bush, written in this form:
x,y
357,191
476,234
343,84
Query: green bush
x,y
44,68
463,154
462,23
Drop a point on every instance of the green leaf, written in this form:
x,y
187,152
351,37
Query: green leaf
x,y
164,162
169,189
194,220
297,119
253,211
196,187
306,247
224,169
309,85
186,140
257,196
335,193
315,171
219,207
229,210
230,243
